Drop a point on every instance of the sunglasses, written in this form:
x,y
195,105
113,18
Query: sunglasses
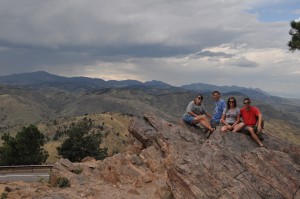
x,y
231,101
247,102
200,98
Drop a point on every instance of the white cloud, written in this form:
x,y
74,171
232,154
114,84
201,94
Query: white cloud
x,y
295,72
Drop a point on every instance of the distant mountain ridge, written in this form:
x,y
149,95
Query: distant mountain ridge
x,y
50,100
41,78
44,79
226,89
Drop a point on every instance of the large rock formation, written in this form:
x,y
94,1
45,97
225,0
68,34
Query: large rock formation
x,y
176,161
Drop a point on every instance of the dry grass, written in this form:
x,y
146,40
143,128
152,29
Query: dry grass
x,y
283,130
116,140
51,148
116,124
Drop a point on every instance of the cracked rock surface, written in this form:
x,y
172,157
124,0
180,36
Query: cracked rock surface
x,y
169,161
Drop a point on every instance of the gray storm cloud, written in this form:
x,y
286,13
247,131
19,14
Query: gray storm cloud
x,y
141,39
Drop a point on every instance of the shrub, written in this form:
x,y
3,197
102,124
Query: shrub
x,y
77,170
63,182
115,151
4,195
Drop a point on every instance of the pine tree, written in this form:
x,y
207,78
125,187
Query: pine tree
x,y
24,149
294,43
82,143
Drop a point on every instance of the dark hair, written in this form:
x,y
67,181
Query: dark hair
x,y
246,98
228,105
216,92
200,96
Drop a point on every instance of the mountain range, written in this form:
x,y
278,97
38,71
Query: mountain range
x,y
43,79
39,96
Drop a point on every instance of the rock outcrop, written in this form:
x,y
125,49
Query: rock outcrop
x,y
168,161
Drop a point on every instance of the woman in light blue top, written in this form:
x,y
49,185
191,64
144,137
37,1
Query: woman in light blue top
x,y
231,116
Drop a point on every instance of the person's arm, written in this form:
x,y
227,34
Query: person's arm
x,y
259,122
193,114
230,127
224,106
223,119
189,109
208,115
206,112
238,118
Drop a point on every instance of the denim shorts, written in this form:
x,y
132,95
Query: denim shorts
x,y
188,119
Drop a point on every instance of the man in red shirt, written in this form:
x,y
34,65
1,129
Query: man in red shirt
x,y
252,118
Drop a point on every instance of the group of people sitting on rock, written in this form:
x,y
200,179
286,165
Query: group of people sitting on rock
x,y
247,119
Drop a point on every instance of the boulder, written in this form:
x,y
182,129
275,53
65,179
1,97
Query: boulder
x,y
227,165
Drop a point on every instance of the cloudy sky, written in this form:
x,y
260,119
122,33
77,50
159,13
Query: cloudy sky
x,y
221,42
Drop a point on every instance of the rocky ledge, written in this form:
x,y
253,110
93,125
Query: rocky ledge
x,y
168,161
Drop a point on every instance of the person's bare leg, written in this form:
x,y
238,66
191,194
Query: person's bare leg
x,y
206,125
238,127
204,121
254,136
224,129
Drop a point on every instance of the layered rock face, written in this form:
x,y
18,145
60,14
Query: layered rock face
x,y
168,161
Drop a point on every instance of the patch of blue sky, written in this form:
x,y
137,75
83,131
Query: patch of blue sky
x,y
287,10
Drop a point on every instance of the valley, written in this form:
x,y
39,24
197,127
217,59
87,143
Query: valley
x,y
53,107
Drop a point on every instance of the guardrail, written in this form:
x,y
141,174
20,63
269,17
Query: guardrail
x,y
22,168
